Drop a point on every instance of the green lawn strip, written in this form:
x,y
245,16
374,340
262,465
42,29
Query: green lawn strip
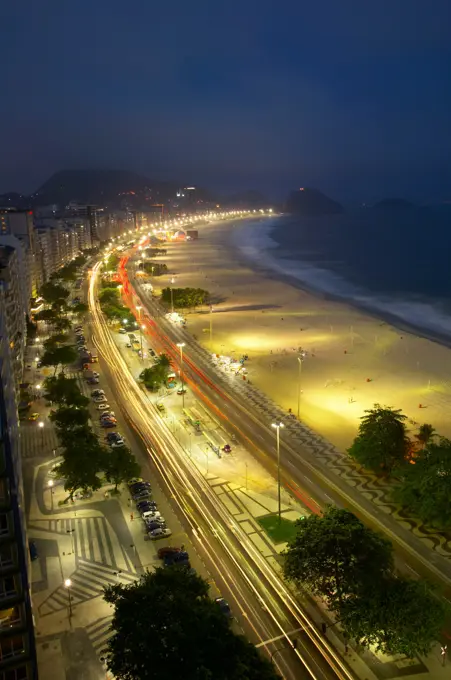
x,y
279,532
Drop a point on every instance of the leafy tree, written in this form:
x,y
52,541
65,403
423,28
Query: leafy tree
x,y
112,262
194,639
48,315
425,434
156,375
32,329
397,616
80,309
155,268
382,442
64,391
120,465
59,306
81,466
59,356
51,292
185,297
425,486
153,252
62,324
109,283
335,555
55,340
68,418
109,296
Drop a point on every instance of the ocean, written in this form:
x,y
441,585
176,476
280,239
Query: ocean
x,y
393,263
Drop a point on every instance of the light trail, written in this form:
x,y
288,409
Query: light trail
x,y
177,467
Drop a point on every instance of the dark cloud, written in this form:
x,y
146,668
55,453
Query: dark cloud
x,y
345,94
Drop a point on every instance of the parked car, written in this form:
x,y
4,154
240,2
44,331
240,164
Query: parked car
x,y
155,534
102,407
134,480
82,349
151,352
100,400
224,606
141,494
146,506
97,393
168,550
139,485
227,448
33,417
122,331
118,444
181,390
151,515
176,557
33,550
155,524
107,414
93,381
108,424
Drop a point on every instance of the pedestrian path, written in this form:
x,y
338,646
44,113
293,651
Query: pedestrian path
x,y
87,582
99,632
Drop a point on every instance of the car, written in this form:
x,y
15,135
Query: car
x,y
108,423
151,515
122,331
227,448
141,484
108,414
146,506
167,550
180,557
93,374
33,417
181,390
154,524
102,406
129,344
78,329
80,340
141,494
82,349
151,352
155,534
224,606
140,490
134,480
110,419
118,444
93,381
161,408
100,400
97,393
33,550
111,437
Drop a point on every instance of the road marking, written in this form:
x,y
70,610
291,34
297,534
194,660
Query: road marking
x,y
279,637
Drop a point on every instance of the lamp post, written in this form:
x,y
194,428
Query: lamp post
x,y
138,309
277,427
68,584
50,484
38,391
41,427
211,328
172,294
299,386
181,345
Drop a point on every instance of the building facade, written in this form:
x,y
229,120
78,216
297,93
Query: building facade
x,y
19,223
17,643
14,312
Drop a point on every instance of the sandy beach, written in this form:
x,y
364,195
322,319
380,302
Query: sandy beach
x,y
353,360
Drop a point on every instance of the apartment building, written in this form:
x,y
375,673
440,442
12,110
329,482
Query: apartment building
x,y
19,223
14,310
17,645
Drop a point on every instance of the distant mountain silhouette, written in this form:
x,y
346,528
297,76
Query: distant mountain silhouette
x,y
394,204
12,199
309,201
246,199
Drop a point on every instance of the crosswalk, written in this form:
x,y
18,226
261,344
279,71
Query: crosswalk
x,y
99,632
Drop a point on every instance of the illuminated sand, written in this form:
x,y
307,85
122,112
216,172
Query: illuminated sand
x,y
270,320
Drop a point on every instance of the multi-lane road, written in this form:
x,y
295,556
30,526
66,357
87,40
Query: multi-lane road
x,y
267,611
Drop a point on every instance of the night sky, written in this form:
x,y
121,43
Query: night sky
x,y
350,96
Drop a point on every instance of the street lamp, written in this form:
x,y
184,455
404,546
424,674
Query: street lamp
x,y
138,309
50,484
172,295
299,386
41,427
277,427
68,584
181,345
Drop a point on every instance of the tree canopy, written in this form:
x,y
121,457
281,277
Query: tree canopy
x,y
155,268
382,443
64,391
59,356
335,554
155,376
81,465
185,297
120,465
192,636
51,292
351,568
425,485
69,417
49,315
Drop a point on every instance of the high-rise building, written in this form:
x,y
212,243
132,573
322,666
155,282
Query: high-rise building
x,y
14,311
19,223
17,644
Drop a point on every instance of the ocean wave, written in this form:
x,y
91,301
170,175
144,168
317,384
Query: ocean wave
x,y
257,245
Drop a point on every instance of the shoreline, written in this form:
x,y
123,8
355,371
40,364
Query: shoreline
x,y
354,359
369,309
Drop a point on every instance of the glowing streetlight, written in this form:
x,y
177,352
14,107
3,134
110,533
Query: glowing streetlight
x,y
41,427
277,427
172,294
50,484
68,584
181,345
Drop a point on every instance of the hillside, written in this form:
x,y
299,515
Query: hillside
x,y
310,202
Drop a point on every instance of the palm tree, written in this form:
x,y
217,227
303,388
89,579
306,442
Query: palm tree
x,y
425,434
163,361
